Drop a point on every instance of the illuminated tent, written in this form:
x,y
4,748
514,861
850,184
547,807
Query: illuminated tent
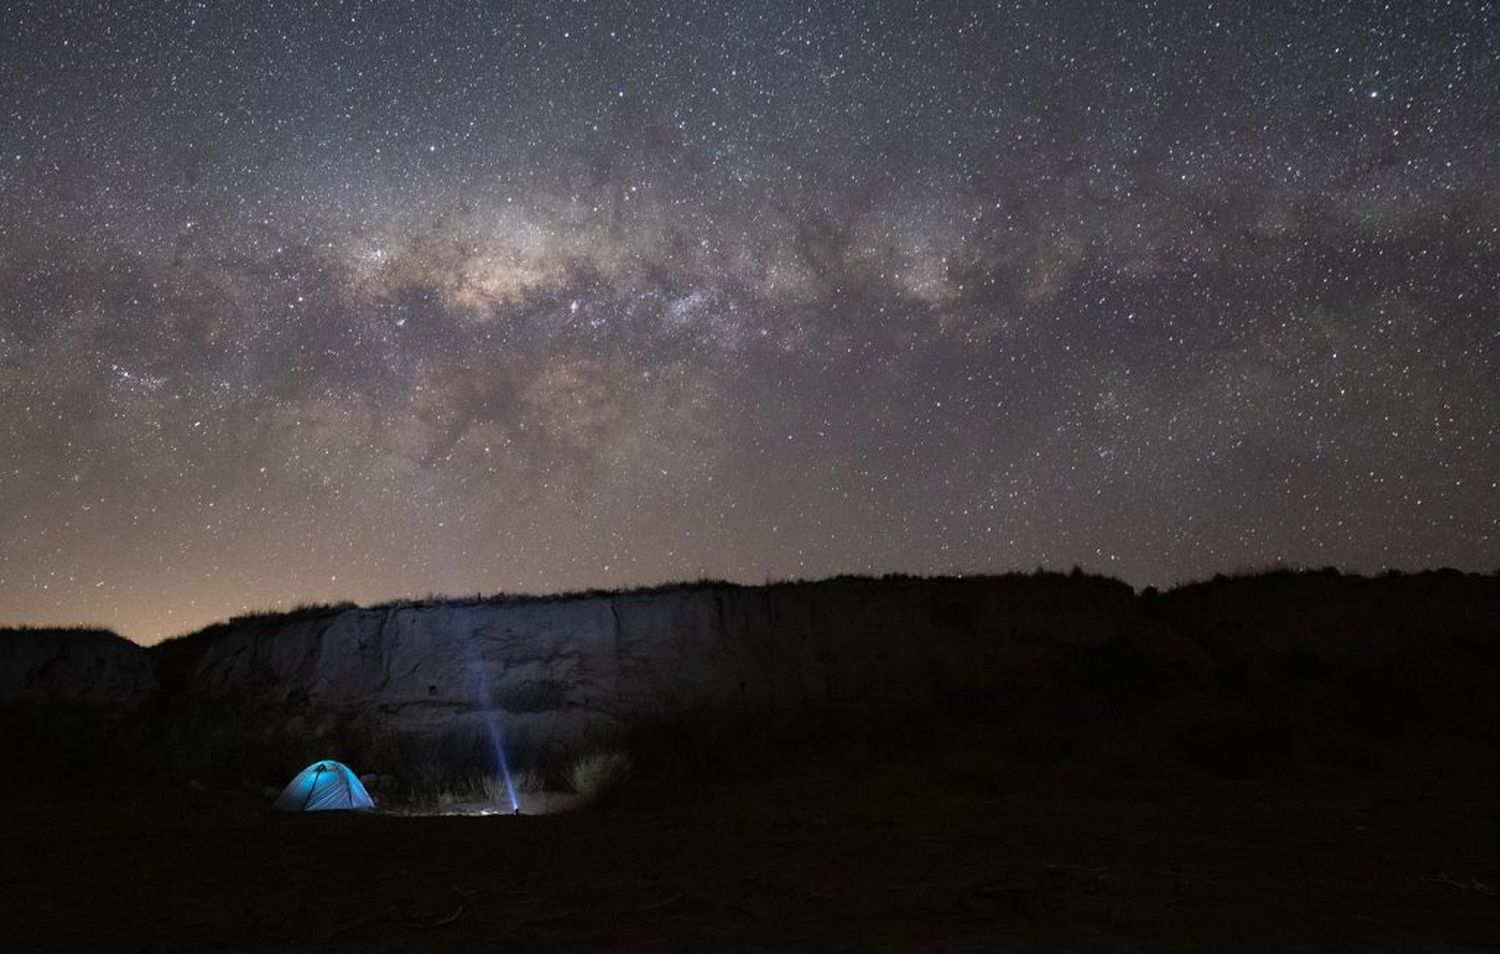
x,y
325,786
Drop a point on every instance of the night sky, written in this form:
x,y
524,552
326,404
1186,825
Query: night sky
x,y
357,301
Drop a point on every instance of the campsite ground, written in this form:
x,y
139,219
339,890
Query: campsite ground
x,y
949,850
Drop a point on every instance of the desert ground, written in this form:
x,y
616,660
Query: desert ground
x,y
934,845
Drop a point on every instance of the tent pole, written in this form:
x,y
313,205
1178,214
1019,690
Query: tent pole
x,y
317,774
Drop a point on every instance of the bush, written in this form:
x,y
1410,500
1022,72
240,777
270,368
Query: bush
x,y
598,777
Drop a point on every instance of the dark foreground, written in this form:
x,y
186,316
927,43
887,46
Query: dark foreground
x,y
951,851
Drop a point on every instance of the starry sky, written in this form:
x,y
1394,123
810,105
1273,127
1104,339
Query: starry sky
x,y
351,300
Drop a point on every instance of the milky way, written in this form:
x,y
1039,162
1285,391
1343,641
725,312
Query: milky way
x,y
356,301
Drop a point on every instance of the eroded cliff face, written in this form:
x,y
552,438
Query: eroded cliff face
x,y
565,668
81,667
1315,656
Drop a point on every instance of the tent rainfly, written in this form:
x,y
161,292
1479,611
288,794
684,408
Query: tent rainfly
x,y
322,787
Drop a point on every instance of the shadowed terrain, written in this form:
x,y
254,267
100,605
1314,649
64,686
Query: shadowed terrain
x,y
1290,761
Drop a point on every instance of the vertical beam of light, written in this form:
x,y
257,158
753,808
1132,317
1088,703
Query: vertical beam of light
x,y
497,740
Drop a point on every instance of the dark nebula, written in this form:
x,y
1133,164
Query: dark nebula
x,y
315,301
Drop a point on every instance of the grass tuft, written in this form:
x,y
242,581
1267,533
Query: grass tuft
x,y
598,777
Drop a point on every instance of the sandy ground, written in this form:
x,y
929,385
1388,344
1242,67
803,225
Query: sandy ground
x,y
930,855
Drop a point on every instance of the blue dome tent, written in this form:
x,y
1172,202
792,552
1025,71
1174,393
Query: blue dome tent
x,y
323,787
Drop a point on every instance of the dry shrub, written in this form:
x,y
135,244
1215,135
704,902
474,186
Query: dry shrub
x,y
597,777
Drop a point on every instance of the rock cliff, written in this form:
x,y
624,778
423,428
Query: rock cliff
x,y
1328,650
83,667
566,667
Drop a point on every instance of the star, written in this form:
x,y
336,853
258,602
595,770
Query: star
x,y
502,298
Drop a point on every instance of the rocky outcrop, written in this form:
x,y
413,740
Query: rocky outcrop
x,y
567,667
1382,653
1336,616
81,667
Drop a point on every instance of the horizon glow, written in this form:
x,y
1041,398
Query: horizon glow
x,y
360,302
